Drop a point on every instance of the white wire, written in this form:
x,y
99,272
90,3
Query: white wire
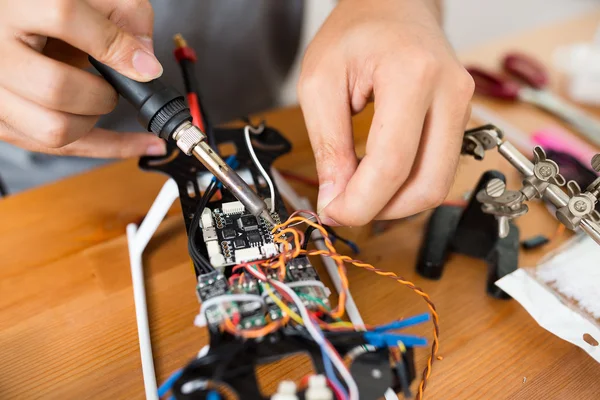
x,y
314,333
308,283
320,340
247,129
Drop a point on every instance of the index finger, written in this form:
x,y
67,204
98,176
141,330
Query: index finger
x,y
401,103
77,23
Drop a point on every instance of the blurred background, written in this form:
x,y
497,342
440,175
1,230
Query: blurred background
x,y
468,23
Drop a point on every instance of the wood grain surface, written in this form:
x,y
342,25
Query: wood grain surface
x,y
67,322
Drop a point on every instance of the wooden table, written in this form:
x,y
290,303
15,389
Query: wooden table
x,y
67,322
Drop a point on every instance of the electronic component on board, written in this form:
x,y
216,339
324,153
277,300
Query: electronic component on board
x,y
209,234
234,207
211,285
206,218
249,254
228,233
254,237
248,222
232,237
300,269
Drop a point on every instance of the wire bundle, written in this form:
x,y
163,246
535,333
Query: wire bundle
x,y
290,241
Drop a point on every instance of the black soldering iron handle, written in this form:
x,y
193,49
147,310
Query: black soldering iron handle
x,y
161,109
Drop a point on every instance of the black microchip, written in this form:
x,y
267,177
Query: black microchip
x,y
300,269
239,243
211,285
253,237
248,222
227,221
228,233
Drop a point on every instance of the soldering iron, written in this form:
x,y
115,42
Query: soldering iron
x,y
163,111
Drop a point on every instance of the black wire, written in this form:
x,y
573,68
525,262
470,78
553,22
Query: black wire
x,y
201,264
347,242
403,377
332,234
3,190
307,233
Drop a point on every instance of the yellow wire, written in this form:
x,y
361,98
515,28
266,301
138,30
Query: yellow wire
x,y
342,324
283,307
402,347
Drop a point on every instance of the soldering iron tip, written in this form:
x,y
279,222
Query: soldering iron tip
x,y
267,217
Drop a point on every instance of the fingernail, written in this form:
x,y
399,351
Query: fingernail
x,y
147,42
157,149
326,195
329,221
146,64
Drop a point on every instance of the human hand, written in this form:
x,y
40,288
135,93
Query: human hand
x,y
48,103
395,51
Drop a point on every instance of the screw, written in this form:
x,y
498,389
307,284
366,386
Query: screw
x,y
580,205
545,171
376,373
495,188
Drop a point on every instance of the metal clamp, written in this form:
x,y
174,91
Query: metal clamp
x,y
581,205
503,204
545,173
479,140
542,179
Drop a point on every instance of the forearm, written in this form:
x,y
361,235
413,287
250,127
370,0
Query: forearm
x,y
436,7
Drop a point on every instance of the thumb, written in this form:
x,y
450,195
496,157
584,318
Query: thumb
x,y
326,108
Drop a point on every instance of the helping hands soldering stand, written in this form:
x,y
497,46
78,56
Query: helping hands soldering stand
x,y
475,233
469,231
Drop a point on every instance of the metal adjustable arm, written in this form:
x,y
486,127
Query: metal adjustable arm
x,y
542,179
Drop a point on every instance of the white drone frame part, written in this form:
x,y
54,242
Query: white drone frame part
x,y
138,238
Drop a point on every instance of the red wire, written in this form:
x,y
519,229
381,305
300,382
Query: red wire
x,y
338,394
195,110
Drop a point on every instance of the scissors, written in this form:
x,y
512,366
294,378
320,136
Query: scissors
x,y
530,86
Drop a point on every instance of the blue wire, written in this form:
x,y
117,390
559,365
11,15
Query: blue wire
x,y
331,373
233,163
403,323
353,246
212,395
168,384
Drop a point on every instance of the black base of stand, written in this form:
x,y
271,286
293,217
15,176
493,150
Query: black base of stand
x,y
471,232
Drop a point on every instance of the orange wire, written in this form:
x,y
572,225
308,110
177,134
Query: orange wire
x,y
290,239
435,317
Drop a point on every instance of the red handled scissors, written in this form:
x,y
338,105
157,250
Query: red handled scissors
x,y
529,85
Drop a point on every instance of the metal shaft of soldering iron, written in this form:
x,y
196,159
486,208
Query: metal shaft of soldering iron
x,y
163,111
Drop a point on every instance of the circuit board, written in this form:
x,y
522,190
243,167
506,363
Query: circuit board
x,y
233,236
